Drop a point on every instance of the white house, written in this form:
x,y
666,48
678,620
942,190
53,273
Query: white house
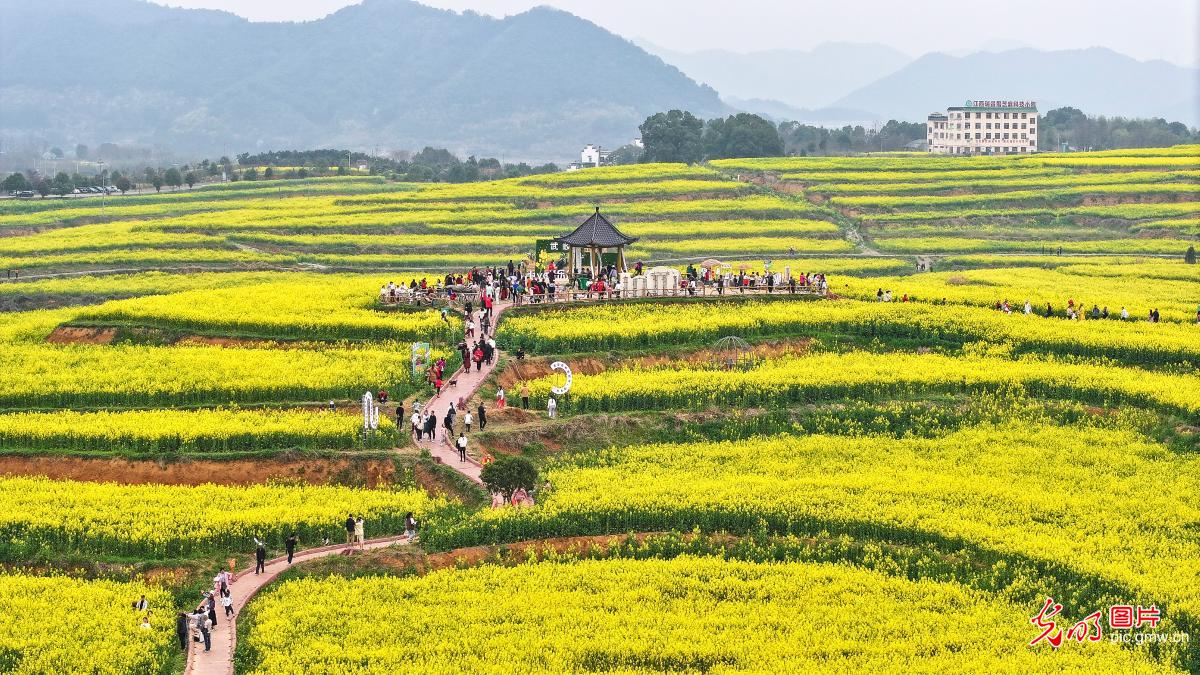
x,y
593,156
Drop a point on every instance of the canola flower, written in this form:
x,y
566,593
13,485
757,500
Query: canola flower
x,y
688,614
190,431
63,625
638,325
1099,503
40,375
325,308
150,522
864,375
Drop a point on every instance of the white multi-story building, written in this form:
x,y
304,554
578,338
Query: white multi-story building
x,y
984,128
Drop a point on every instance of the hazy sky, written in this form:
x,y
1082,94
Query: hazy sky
x,y
1144,29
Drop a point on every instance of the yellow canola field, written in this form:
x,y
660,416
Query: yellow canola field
x,y
1101,503
641,325
63,625
57,376
688,614
340,307
870,376
190,431
163,521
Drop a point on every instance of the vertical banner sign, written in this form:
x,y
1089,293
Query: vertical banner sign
x,y
370,412
421,354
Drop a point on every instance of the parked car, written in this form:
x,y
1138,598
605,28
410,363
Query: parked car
x,y
25,193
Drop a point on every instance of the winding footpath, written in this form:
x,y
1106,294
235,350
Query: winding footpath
x,y
219,661
466,383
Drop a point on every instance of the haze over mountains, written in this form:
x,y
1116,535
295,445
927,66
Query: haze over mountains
x,y
534,86
860,82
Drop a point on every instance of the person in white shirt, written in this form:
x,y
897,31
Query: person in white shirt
x,y
462,446
551,407
1124,314
1028,308
467,420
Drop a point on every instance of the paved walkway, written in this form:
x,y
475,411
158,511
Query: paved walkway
x,y
465,386
219,661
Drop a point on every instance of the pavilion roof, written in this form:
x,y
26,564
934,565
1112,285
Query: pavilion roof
x,y
596,231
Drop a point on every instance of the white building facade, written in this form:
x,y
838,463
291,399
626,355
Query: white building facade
x,y
984,128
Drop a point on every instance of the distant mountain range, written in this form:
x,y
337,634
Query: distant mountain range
x,y
803,79
1097,81
534,86
848,83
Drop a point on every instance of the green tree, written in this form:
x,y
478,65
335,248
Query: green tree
x,y
81,151
15,182
173,178
156,179
269,173
742,135
250,174
508,473
43,186
123,184
626,154
190,178
62,184
56,152
1190,256
673,136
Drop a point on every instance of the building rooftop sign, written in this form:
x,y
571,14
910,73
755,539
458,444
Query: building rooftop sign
x,y
1000,104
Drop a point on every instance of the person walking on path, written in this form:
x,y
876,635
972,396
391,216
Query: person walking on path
x,y
360,534
210,601
467,419
525,396
260,558
201,620
462,446
448,424
410,526
551,407
349,530
227,603
482,414
430,426
501,400
290,545
181,630
417,426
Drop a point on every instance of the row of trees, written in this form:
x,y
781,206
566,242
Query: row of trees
x,y
805,139
1085,132
680,136
63,183
426,166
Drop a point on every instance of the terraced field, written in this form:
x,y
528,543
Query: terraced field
x,y
858,485
1136,201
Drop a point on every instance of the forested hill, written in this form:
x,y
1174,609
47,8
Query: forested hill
x,y
537,85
